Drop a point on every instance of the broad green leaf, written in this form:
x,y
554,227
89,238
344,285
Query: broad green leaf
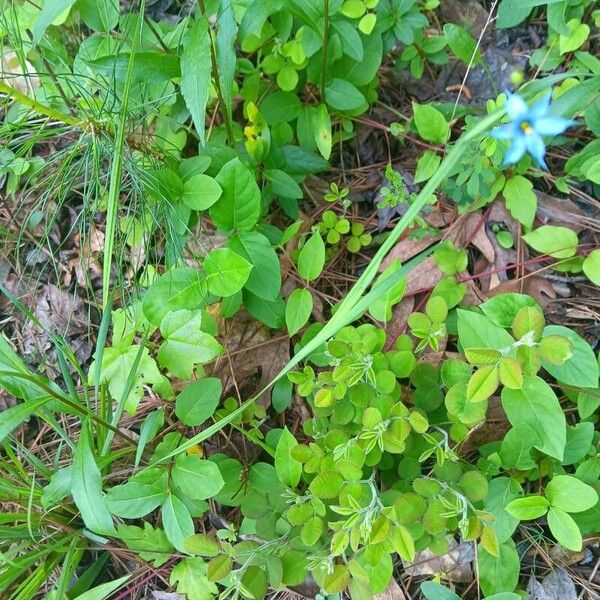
x,y
528,508
570,494
190,578
340,94
336,581
537,405
559,242
150,544
499,573
226,271
351,41
86,487
477,331
265,278
225,52
591,267
482,384
578,33
283,184
427,166
239,205
132,500
321,128
502,308
513,12
288,470
403,542
515,450
467,412
311,259
581,369
181,288
564,529
269,312
104,590
521,200
501,492
185,344
198,401
200,192
430,123
196,477
50,13
579,443
196,73
435,591
177,522
297,310
256,14
126,369
462,43
311,531
219,567
381,309
280,107
327,484
99,15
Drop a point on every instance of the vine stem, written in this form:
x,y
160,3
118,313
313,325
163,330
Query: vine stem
x,y
215,68
325,47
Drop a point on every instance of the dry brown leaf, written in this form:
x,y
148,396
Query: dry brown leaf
x,y
455,564
406,248
539,288
559,211
423,277
400,314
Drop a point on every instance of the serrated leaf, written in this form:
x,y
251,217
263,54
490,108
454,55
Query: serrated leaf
x,y
149,543
191,578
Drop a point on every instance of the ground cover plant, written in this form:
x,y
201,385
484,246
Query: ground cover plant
x,y
299,298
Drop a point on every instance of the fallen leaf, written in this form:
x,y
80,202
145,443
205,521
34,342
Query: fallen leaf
x,y
555,586
423,277
455,564
393,592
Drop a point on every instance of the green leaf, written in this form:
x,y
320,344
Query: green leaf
x,y
219,567
381,308
592,117
126,369
200,192
226,271
86,487
198,401
104,590
288,470
132,500
501,492
430,123
477,331
427,166
521,200
225,51
283,185
177,522
559,242
15,415
528,508
181,288
351,42
99,15
185,344
482,384
150,544
321,128
50,12
265,278
327,484
311,531
311,259
297,310
435,591
537,405
196,477
513,12
577,35
342,95
403,542
280,107
196,73
564,529
502,308
581,369
462,43
191,577
515,450
499,573
591,267
239,205
570,494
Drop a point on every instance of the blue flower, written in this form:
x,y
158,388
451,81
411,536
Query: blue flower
x,y
527,127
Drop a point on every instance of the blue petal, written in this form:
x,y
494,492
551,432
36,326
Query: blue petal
x,y
535,147
540,108
516,107
552,125
516,150
504,132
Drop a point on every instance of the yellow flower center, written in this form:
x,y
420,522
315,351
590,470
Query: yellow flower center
x,y
526,127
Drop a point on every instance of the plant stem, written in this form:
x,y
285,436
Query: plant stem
x,y
215,68
325,48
